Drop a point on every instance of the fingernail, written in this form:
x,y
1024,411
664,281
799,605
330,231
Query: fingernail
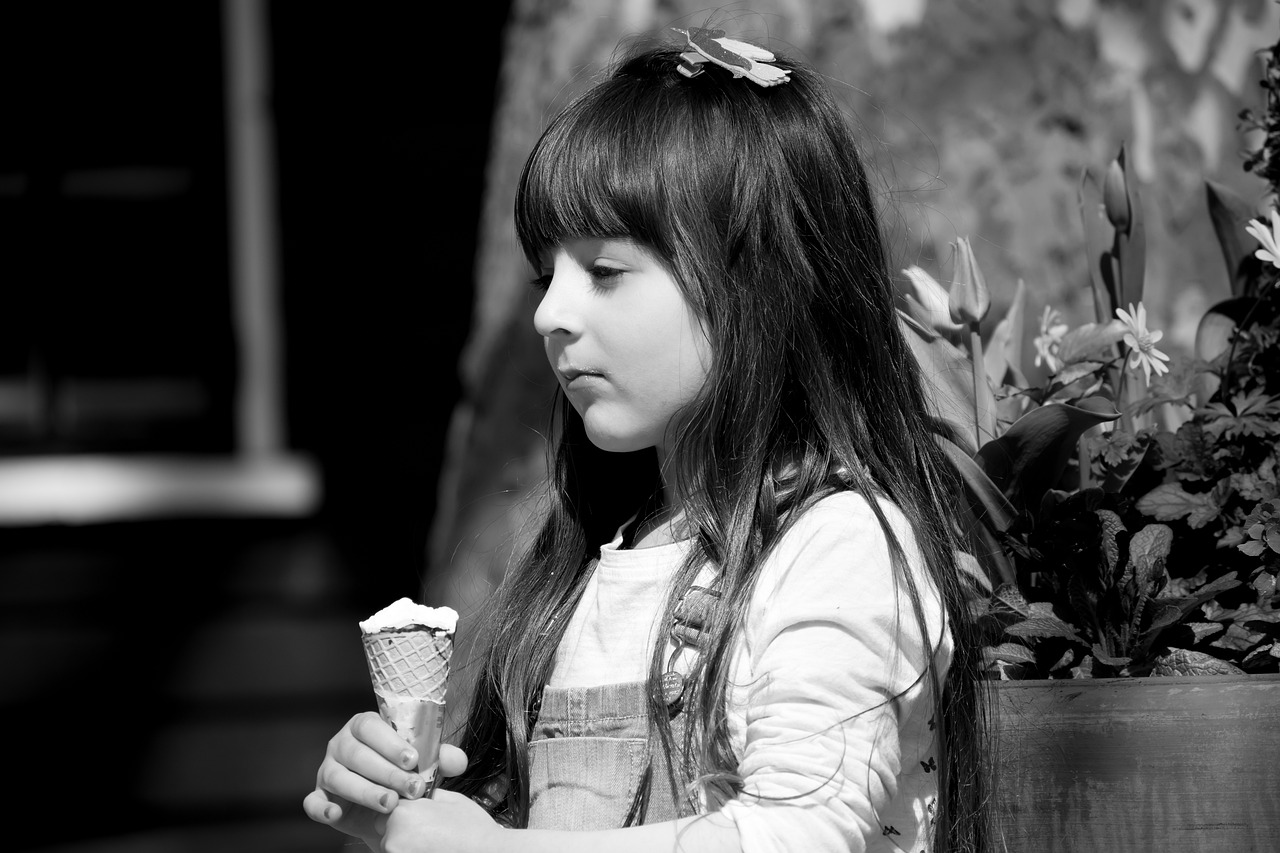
x,y
328,812
409,758
415,786
384,799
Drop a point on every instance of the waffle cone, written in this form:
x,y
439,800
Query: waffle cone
x,y
411,664
410,670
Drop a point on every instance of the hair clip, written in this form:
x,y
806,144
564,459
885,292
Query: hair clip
x,y
737,57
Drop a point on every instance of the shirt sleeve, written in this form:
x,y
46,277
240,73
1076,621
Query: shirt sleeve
x,y
837,665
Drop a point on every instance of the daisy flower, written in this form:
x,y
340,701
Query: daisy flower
x,y
1142,342
1051,331
1269,238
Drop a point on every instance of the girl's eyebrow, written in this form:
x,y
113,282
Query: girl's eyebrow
x,y
624,249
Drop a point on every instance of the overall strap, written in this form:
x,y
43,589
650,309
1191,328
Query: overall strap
x,y
688,630
693,612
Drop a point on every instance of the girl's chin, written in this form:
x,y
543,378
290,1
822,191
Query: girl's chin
x,y
612,441
613,444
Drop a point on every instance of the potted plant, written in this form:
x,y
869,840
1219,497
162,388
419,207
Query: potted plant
x,y
1128,509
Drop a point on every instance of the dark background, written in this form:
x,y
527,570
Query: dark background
x,y
199,727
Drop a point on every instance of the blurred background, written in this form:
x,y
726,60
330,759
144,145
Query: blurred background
x,y
238,241
265,352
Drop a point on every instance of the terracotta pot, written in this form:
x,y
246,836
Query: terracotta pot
x,y
1134,764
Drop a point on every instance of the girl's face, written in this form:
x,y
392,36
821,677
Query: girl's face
x,y
626,347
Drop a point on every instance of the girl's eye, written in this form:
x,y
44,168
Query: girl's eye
x,y
602,274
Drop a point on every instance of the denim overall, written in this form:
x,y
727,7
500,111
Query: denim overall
x,y
589,750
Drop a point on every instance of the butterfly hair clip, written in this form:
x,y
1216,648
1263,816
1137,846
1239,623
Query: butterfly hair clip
x,y
739,58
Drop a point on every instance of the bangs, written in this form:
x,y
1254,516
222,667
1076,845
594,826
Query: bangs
x,y
594,175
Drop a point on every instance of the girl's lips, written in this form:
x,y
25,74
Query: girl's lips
x,y
569,374
574,378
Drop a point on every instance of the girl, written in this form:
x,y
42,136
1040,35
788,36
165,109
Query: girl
x,y
741,625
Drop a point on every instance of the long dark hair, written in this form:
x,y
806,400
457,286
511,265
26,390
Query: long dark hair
x,y
757,200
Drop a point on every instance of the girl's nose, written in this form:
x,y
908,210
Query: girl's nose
x,y
555,313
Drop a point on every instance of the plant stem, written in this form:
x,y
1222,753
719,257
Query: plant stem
x,y
1085,474
1240,328
979,375
1122,397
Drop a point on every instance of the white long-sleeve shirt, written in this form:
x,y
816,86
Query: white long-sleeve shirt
x,y
829,711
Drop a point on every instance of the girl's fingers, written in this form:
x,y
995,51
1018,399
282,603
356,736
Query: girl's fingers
x,y
453,761
354,786
320,808
355,754
377,734
323,807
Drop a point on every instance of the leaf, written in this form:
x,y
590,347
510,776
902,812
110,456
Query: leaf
x,y
989,509
1085,669
1253,548
1217,325
1187,662
1203,514
1168,615
1121,460
1029,458
1009,595
1237,638
1112,526
1090,341
1043,626
1012,402
1169,502
1269,626
1231,537
1148,550
1009,653
1203,594
1261,658
1201,631
1229,212
1004,350
1067,657
1252,414
1191,454
947,372
1098,236
1101,656
1084,601
1130,244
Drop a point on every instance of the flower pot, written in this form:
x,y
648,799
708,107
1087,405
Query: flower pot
x,y
1133,764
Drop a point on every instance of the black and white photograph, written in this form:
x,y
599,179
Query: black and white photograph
x,y
814,426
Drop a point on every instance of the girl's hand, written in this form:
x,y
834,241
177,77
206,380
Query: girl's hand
x,y
448,821
367,768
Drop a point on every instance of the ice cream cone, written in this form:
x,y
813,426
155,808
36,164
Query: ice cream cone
x,y
412,663
408,648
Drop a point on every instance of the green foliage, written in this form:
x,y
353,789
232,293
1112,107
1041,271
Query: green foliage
x,y
1161,556
1265,161
1131,521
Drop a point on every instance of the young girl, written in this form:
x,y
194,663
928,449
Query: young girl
x,y
741,625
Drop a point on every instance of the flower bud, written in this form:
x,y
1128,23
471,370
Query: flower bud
x,y
1115,196
969,299
928,302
